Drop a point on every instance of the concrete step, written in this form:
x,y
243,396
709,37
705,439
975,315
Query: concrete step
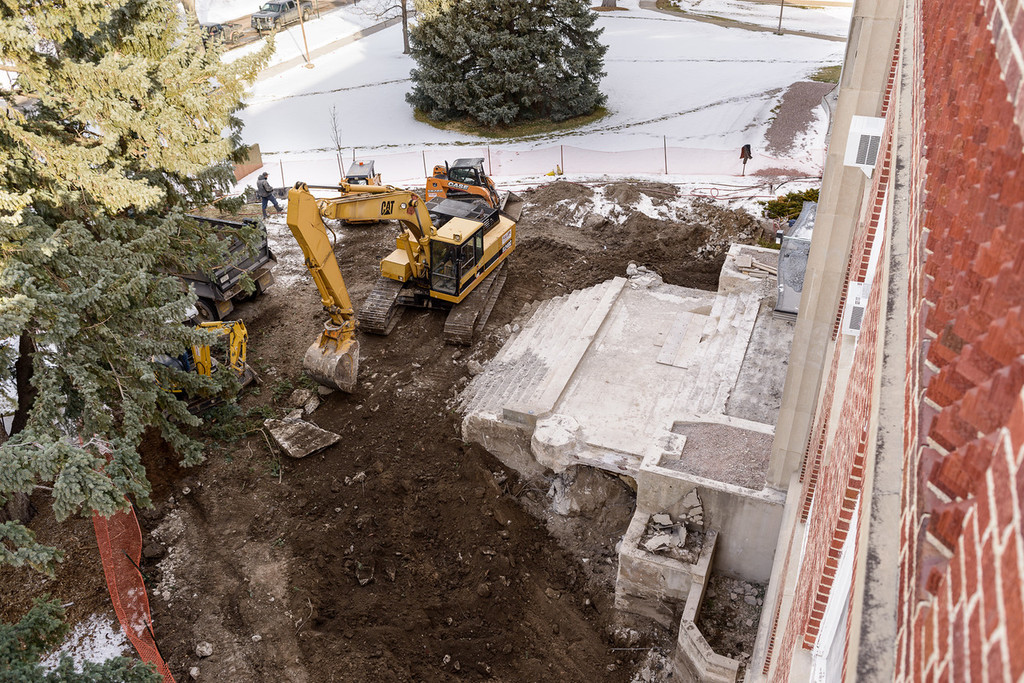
x,y
524,338
571,316
723,359
512,374
569,340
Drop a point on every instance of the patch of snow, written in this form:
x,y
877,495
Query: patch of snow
x,y
95,639
831,21
603,206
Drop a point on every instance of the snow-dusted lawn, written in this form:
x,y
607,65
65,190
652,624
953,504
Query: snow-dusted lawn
x,y
671,81
829,21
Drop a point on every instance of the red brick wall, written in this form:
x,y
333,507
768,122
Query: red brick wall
x,y
961,557
833,467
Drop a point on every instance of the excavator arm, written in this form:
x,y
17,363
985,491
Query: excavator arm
x,y
332,360
364,203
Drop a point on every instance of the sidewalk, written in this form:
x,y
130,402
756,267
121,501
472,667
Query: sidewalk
x,y
272,71
733,23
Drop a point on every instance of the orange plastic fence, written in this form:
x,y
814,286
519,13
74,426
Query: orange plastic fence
x,y
120,542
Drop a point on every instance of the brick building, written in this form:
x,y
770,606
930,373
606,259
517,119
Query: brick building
x,y
901,433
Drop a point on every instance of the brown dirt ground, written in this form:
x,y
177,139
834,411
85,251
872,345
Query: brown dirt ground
x,y
262,556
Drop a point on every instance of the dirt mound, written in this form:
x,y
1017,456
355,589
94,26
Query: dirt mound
x,y
401,554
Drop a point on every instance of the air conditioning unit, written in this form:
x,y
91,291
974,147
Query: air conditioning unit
x,y
864,142
856,303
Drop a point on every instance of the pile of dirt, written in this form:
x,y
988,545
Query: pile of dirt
x,y
400,553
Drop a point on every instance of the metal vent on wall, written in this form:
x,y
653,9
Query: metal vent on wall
x,y
867,149
863,143
856,303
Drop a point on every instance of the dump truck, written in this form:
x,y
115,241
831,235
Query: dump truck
x,y
219,289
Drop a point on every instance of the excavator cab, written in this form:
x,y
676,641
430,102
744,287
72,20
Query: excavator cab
x,y
457,250
454,265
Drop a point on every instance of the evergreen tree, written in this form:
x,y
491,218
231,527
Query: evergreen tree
x,y
504,61
118,122
41,630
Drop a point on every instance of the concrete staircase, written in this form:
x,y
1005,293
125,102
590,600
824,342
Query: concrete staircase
x,y
711,349
527,377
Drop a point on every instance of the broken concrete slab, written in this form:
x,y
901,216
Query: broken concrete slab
x,y
298,438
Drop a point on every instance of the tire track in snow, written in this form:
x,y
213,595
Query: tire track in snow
x,y
282,98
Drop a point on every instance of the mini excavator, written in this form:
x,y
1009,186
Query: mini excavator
x,y
450,255
198,359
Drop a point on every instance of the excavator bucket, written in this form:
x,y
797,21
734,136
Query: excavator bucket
x,y
512,205
333,365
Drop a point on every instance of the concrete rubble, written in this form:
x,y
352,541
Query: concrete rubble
x,y
678,389
298,438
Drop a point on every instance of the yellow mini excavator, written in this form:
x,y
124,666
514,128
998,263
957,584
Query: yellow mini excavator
x,y
450,255
200,360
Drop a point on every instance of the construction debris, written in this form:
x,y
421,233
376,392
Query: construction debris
x,y
298,438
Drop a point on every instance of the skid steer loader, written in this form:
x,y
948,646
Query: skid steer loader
x,y
465,180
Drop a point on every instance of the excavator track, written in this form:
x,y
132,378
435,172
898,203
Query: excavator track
x,y
380,312
469,317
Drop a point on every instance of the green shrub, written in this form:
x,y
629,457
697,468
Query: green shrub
x,y
789,205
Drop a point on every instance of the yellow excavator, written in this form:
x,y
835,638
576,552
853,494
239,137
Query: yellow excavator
x,y
450,255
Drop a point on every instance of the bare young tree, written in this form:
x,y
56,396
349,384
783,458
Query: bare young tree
x,y
386,9
336,138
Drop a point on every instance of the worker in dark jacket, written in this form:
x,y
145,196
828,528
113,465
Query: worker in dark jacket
x,y
266,193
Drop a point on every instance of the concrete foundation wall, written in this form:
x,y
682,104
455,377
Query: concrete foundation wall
x,y
747,521
695,662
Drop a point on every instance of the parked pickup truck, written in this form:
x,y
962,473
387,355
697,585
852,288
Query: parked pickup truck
x,y
273,15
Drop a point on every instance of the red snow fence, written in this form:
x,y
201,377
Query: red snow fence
x,y
120,542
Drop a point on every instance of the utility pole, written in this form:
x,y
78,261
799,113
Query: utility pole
x,y
782,3
305,43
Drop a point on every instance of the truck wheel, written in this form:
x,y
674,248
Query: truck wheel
x,y
207,310
305,15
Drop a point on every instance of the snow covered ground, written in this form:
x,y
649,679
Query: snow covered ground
x,y
681,91
830,21
96,639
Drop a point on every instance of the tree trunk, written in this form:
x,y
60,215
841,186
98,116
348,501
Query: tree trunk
x,y
23,379
405,27
608,3
19,508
